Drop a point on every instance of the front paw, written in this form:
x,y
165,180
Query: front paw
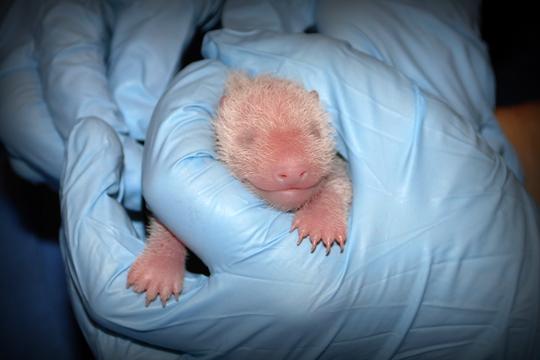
x,y
320,225
157,274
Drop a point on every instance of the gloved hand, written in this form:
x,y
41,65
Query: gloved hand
x,y
275,15
60,65
440,235
435,43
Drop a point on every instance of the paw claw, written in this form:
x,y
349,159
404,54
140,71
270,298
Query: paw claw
x,y
319,226
157,276
341,242
302,234
148,300
328,248
293,226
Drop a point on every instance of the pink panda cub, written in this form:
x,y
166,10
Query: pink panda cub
x,y
276,138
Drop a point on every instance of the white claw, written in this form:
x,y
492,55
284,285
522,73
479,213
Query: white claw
x,y
293,227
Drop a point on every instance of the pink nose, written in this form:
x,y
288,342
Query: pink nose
x,y
290,174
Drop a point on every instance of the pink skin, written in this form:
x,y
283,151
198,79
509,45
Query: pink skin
x,y
276,138
285,179
160,267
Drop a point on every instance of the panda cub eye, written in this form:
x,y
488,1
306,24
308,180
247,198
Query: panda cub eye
x,y
247,137
315,132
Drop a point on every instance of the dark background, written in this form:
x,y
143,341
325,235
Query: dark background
x,y
36,320
512,31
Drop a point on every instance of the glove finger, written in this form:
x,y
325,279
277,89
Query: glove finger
x,y
283,16
98,231
72,46
100,243
147,44
26,127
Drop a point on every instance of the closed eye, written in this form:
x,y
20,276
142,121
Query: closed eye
x,y
247,138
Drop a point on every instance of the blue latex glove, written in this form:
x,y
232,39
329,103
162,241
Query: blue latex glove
x,y
275,15
443,249
26,128
61,66
435,43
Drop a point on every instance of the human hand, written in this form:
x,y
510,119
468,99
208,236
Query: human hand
x,y
64,61
429,219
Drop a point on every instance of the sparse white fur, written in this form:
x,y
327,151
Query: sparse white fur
x,y
264,104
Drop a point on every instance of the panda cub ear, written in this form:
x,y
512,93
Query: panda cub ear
x,y
222,100
314,94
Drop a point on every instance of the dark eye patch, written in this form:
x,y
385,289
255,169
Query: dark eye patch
x,y
315,132
247,137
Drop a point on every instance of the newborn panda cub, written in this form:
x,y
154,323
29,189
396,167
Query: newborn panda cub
x,y
276,138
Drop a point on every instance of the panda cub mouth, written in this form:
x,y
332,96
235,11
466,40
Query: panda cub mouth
x,y
289,198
